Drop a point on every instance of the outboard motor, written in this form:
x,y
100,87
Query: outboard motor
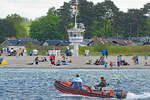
x,y
120,94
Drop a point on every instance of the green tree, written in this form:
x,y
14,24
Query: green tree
x,y
65,13
104,19
137,21
6,29
86,16
52,11
18,21
147,32
46,27
146,8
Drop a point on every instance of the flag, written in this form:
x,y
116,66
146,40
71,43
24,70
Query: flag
x,y
76,6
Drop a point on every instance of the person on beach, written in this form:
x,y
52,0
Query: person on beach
x,y
58,63
146,60
45,59
0,52
90,60
103,52
37,60
97,62
134,59
0,60
145,57
137,59
118,61
105,64
106,53
77,82
42,59
52,59
111,64
101,84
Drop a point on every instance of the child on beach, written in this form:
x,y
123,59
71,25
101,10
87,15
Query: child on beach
x,y
118,61
58,63
90,60
134,59
105,65
111,64
146,60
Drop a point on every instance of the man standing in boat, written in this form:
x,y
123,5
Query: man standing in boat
x,y
77,82
101,84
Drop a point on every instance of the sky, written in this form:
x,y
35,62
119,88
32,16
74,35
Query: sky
x,y
36,8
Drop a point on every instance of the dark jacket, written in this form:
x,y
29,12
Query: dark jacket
x,y
102,84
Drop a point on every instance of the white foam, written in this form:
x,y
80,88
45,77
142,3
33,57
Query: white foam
x,y
69,95
132,96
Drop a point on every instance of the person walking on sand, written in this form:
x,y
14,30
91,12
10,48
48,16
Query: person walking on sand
x,y
137,59
118,61
105,65
90,59
106,53
103,52
145,57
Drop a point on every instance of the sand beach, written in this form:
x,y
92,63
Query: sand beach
x,y
77,63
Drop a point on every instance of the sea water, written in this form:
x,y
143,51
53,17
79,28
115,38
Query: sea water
x,y
37,84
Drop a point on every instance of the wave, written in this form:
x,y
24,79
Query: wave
x,y
69,95
133,96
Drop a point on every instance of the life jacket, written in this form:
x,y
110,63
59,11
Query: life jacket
x,y
77,85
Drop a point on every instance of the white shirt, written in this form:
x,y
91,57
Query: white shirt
x,y
78,79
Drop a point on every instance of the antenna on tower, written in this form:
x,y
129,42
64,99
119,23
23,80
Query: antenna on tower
x,y
76,11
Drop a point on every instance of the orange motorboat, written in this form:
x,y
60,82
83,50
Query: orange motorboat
x,y
65,87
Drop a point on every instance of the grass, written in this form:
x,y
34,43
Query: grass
x,y
96,50
116,50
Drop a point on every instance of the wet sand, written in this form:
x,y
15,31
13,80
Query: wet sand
x,y
77,63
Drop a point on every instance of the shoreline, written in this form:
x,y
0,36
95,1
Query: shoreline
x,y
23,62
70,68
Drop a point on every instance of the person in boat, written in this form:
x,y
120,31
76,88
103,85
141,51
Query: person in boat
x,y
77,82
101,84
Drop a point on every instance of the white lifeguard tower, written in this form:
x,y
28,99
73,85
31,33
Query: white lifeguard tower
x,y
76,33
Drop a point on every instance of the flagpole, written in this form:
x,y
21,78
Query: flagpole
x,y
76,12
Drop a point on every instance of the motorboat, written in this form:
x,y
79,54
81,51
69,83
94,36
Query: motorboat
x,y
67,88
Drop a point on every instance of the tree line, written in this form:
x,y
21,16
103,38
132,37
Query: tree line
x,y
103,19
12,26
106,20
